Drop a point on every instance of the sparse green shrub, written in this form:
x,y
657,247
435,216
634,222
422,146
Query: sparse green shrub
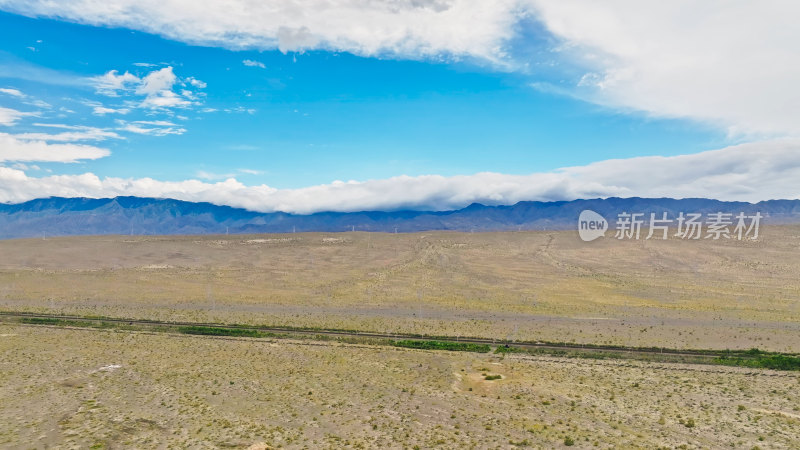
x,y
761,360
442,345
219,331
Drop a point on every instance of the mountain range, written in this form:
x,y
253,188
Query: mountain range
x,y
56,216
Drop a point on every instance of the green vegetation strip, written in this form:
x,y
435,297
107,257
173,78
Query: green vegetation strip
x,y
443,345
219,331
761,360
64,322
754,358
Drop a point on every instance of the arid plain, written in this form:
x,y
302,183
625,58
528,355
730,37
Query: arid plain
x,y
114,388
519,285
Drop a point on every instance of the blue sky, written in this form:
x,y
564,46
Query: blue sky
x,y
282,118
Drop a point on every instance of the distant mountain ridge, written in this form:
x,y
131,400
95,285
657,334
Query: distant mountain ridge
x,y
56,216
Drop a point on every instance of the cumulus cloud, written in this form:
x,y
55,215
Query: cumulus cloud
x,y
112,84
157,88
13,148
748,172
157,81
165,99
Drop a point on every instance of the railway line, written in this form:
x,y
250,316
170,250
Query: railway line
x,y
710,354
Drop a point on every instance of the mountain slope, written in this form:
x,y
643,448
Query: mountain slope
x,y
135,215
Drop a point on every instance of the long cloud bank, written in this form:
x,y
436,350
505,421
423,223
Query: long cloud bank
x,y
364,27
747,172
33,147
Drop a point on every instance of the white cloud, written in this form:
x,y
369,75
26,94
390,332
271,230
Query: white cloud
x,y
731,64
157,81
158,130
668,59
196,83
12,92
77,133
364,27
156,87
748,172
25,167
69,136
112,84
10,116
165,99
102,110
252,63
238,109
160,123
14,149
61,126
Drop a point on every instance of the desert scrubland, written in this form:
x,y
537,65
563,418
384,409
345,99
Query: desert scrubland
x,y
118,388
77,388
516,285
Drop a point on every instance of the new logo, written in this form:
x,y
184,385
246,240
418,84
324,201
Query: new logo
x,y
591,225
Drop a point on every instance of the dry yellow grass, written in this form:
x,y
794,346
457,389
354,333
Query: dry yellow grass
x,y
528,285
73,388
